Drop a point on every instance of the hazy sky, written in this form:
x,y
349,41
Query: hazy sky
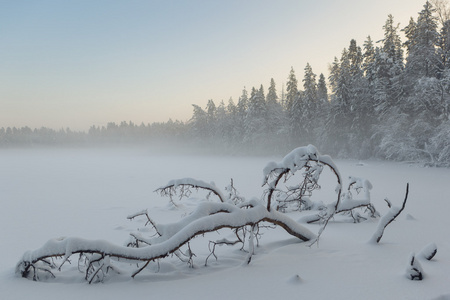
x,y
88,62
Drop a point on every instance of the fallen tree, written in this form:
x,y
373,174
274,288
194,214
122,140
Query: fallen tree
x,y
208,217
96,258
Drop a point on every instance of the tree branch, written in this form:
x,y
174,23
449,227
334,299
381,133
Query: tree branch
x,y
209,217
387,219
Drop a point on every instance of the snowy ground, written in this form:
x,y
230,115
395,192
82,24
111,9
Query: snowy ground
x,y
89,193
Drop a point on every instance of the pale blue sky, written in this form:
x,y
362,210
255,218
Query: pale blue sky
x,y
88,62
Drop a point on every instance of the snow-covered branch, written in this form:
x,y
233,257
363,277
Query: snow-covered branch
x,y
347,203
208,217
185,184
387,219
311,161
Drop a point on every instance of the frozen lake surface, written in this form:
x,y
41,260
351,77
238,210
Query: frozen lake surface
x,y
89,193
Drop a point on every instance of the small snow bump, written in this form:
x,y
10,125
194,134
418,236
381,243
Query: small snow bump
x,y
296,279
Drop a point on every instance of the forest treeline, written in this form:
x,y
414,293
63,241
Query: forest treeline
x,y
384,99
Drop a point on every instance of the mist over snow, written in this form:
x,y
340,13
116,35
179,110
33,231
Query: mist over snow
x,y
88,193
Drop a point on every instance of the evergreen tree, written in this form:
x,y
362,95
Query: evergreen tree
x,y
274,120
410,33
355,58
255,118
295,119
291,89
310,105
368,65
423,39
339,119
293,107
272,96
198,122
334,74
444,48
222,132
232,124
392,44
322,90
323,107
242,107
211,119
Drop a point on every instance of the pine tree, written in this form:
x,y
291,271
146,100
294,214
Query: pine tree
x,y
386,83
199,122
323,110
423,39
410,32
272,96
355,57
444,48
291,89
334,74
309,84
255,120
322,90
368,65
222,126
293,107
392,44
211,118
310,105
274,120
242,107
339,119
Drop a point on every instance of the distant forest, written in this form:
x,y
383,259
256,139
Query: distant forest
x,y
386,99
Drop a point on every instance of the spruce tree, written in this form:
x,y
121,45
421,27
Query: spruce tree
x,y
310,105
422,56
322,90
272,96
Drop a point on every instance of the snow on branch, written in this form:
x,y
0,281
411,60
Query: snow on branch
x,y
208,217
428,252
307,158
414,270
183,186
387,219
348,204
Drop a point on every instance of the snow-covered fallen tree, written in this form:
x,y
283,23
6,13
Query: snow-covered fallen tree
x,y
98,255
96,258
